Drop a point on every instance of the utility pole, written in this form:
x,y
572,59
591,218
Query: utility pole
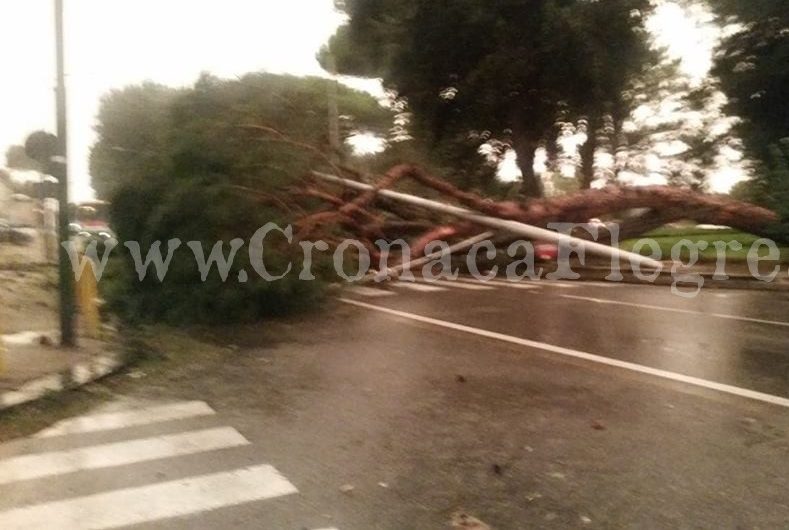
x,y
60,166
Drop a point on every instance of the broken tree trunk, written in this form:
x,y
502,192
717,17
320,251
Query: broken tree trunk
x,y
371,211
514,227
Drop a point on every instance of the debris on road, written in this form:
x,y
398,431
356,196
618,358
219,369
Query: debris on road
x,y
464,521
347,488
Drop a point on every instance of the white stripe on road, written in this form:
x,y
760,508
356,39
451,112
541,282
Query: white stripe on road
x,y
555,283
138,505
460,285
370,292
35,466
606,284
664,374
133,418
677,310
419,287
501,283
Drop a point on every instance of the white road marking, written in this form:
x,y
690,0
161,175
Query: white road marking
x,y
502,283
461,285
604,284
664,374
154,502
419,287
677,310
370,292
555,283
35,466
132,418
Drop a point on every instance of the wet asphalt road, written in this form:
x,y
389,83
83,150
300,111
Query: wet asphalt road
x,y
424,419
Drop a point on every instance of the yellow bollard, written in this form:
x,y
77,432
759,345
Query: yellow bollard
x,y
87,301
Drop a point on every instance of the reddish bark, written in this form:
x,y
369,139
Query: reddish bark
x,y
665,204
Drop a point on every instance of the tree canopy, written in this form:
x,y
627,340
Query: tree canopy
x,y
202,164
155,133
503,68
754,70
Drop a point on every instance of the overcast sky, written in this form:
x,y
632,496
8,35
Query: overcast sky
x,y
113,43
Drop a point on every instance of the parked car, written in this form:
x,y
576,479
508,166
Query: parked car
x,y
545,251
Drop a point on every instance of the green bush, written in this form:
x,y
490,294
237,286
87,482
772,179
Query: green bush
x,y
770,188
204,213
182,164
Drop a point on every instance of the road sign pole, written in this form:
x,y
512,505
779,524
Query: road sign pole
x,y
67,336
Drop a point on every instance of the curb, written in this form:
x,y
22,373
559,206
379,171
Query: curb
x,y
735,281
597,273
74,377
26,267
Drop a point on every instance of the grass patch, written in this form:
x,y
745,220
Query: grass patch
x,y
668,237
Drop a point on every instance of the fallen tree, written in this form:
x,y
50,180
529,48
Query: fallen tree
x,y
367,216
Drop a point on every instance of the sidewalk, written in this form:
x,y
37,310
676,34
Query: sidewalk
x,y
32,367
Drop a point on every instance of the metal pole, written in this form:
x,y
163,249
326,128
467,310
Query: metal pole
x,y
424,260
514,227
42,226
67,336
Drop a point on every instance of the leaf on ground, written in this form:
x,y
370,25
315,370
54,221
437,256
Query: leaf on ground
x,y
464,521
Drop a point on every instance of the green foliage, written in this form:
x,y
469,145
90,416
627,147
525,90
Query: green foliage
x,y
201,210
153,132
503,66
770,187
183,164
667,239
754,70
134,128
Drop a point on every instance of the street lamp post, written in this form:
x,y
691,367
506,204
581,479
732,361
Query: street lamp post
x,y
60,162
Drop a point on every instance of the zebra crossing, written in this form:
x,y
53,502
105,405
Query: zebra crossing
x,y
421,285
40,475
